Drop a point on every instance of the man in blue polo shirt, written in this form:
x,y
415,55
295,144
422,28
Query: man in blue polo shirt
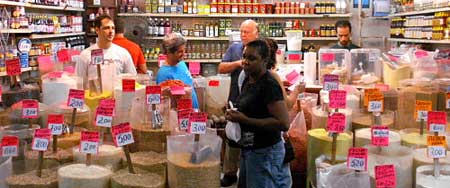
x,y
231,63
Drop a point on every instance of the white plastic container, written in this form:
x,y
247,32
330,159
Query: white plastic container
x,y
294,40
310,67
217,95
425,178
56,90
5,170
365,68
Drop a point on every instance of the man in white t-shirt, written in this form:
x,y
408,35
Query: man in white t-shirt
x,y
104,27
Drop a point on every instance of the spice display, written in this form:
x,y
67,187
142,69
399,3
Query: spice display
x,y
80,175
184,174
108,156
92,101
142,179
67,141
298,138
364,137
150,161
30,180
150,139
400,156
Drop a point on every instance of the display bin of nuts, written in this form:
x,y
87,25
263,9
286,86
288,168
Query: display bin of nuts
x,y
194,164
334,61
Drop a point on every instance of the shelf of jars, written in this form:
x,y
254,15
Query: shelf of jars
x,y
192,60
16,31
174,15
46,36
228,38
447,41
428,11
35,6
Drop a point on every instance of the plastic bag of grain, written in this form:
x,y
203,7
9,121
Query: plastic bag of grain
x,y
185,174
217,92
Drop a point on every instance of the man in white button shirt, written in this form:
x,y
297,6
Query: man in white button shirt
x,y
104,27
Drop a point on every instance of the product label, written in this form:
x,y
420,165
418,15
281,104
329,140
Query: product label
x,y
108,103
122,134
213,83
380,135
13,67
385,176
55,123
153,94
331,82
30,108
436,146
41,139
10,146
437,121
197,123
97,56
357,159
128,85
338,99
422,109
55,74
89,142
103,116
336,123
76,98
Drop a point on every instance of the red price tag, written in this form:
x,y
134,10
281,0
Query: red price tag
x,y
41,139
109,103
63,55
122,134
177,90
380,135
197,123
162,59
194,68
55,74
184,104
30,108
103,116
436,121
10,146
294,56
331,82
357,159
89,142
213,83
13,67
76,98
97,56
422,109
128,85
55,123
385,176
292,77
338,99
183,118
382,87
153,94
336,123
326,57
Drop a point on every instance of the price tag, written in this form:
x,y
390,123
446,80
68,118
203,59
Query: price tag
x,y
30,108
357,159
13,67
97,56
213,83
376,102
184,104
197,123
153,94
55,123
89,142
380,135
109,103
128,85
294,56
327,57
293,77
338,99
162,59
447,101
194,68
63,55
422,109
336,123
382,87
385,176
177,90
10,146
55,74
437,121
122,134
436,146
183,118
76,98
368,92
331,82
41,139
103,116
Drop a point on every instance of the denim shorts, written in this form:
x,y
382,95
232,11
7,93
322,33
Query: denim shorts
x,y
264,168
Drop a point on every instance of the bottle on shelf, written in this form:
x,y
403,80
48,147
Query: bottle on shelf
x,y
167,28
161,27
194,7
189,7
150,26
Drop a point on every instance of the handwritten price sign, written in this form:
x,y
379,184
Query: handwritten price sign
x,y
183,118
30,108
385,176
89,142
10,146
76,98
153,94
336,123
369,91
97,56
184,104
103,116
41,139
338,99
422,109
436,146
128,85
108,103
331,82
376,101
55,123
198,123
436,121
13,67
380,135
122,134
357,159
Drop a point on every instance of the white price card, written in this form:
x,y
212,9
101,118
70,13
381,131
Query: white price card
x,y
124,139
9,146
122,134
357,163
56,129
153,94
40,144
89,147
357,159
9,151
103,121
375,106
437,152
55,123
198,123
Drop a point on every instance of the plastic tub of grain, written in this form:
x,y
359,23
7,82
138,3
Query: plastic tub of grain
x,y
141,178
80,175
426,179
364,137
108,156
366,120
150,161
185,173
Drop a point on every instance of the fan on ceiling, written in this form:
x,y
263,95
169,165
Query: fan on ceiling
x,y
136,29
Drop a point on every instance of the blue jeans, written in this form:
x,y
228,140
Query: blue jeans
x,y
264,168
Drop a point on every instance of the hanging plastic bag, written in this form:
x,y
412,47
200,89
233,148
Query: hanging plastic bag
x,y
298,138
233,131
